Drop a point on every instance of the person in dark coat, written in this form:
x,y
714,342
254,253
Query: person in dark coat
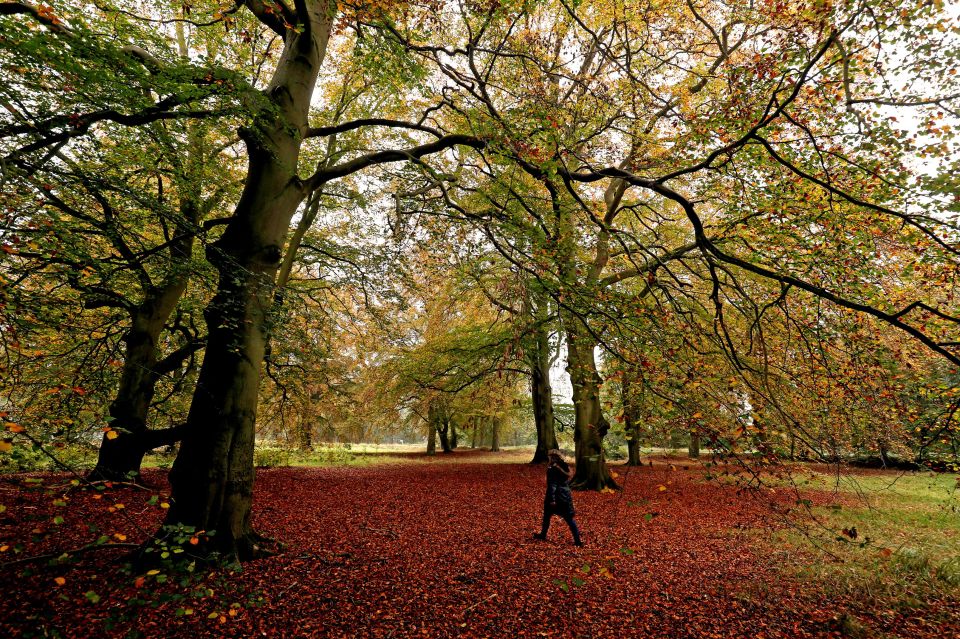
x,y
559,499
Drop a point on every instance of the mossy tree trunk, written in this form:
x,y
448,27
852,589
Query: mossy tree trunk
x,y
212,477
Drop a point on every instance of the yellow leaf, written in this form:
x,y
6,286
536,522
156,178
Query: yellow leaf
x,y
697,415
5,446
153,572
164,505
112,434
120,536
661,488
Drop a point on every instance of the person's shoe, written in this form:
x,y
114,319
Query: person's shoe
x,y
539,536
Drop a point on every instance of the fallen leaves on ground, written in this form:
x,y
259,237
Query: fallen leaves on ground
x,y
435,550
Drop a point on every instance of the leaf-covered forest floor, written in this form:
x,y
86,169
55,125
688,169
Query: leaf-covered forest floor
x,y
443,548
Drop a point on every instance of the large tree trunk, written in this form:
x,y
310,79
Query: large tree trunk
x,y
212,477
119,458
453,435
590,426
541,394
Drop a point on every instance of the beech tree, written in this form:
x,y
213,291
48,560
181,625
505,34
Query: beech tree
x,y
701,141
212,477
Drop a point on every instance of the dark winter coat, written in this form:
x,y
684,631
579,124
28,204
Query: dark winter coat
x,y
558,490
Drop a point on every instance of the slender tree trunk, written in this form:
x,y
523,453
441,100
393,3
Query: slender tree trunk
x,y
475,424
434,421
453,435
305,424
541,394
631,386
495,434
693,446
212,477
590,426
431,438
443,430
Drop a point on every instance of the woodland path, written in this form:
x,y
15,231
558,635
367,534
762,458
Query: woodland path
x,y
443,549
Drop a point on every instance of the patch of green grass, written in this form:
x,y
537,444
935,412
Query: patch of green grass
x,y
320,456
891,540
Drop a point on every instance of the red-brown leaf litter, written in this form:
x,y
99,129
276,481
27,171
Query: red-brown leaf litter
x,y
434,549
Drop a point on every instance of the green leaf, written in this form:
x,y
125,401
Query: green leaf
x,y
91,596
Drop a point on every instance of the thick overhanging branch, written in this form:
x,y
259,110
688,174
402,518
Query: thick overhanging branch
x,y
324,131
326,174
79,125
175,360
274,14
44,16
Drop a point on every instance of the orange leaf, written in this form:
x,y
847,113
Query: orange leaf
x,y
59,581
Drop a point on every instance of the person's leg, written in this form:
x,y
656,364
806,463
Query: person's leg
x,y
545,525
573,529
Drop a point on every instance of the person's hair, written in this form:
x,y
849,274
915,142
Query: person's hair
x,y
558,456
